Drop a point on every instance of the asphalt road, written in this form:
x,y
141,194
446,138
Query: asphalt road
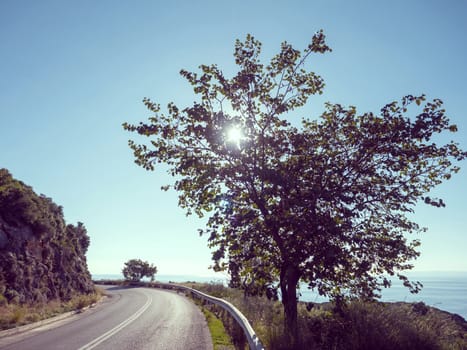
x,y
131,318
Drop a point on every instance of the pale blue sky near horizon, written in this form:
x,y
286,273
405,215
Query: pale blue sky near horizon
x,y
71,72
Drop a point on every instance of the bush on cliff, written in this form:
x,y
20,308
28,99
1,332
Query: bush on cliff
x,y
41,257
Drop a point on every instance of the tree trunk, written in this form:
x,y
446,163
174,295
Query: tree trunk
x,y
289,278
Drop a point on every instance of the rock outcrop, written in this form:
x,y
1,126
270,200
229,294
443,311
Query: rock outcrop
x,y
41,258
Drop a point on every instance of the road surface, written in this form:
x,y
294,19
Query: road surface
x,y
131,318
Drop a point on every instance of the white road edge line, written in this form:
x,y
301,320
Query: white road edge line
x,y
92,344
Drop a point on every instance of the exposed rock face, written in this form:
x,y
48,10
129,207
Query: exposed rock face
x,y
41,258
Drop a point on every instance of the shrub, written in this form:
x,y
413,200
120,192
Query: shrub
x,y
3,300
18,315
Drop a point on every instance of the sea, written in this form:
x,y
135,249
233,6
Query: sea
x,y
443,290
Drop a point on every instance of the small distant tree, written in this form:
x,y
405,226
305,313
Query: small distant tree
x,y
135,269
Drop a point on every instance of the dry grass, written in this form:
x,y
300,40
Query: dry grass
x,y
14,315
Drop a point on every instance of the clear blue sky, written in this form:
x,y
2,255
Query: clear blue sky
x,y
72,71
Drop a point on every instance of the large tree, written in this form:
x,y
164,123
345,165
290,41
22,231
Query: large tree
x,y
325,203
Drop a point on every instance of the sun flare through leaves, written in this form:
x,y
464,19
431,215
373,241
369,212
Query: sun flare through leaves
x,y
234,135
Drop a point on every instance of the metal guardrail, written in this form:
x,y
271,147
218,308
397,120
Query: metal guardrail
x,y
250,335
252,338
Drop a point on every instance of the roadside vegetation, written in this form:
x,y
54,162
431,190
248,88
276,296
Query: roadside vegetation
x,y
14,315
220,339
358,325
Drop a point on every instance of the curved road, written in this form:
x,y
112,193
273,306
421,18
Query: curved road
x,y
132,318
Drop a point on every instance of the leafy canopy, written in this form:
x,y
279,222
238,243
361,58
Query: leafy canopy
x,y
19,204
325,203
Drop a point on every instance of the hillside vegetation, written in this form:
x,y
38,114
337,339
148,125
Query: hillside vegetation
x,y
42,259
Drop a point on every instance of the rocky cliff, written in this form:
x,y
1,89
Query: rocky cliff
x,y
41,258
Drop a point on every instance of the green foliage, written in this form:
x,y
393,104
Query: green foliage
x,y
136,269
367,326
326,203
19,205
41,258
220,339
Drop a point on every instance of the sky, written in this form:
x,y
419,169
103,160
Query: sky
x,y
71,72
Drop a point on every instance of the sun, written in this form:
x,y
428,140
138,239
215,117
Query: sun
x,y
235,135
